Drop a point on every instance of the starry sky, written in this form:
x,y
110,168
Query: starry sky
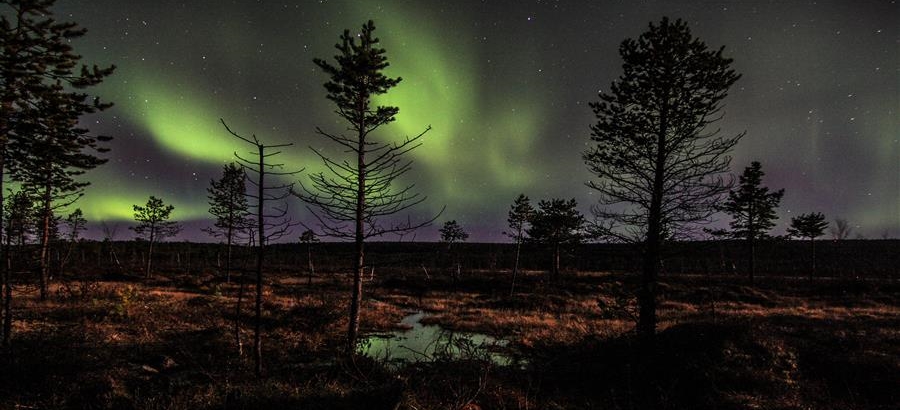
x,y
505,86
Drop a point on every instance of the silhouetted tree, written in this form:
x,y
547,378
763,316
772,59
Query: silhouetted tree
x,y
48,162
154,225
841,229
520,213
19,226
309,237
556,223
658,163
38,78
452,233
228,203
752,210
270,224
75,224
352,200
812,226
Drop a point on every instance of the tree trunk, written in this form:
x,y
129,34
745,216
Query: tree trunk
x,y
150,252
4,245
45,242
7,286
512,286
752,243
646,327
257,330
813,271
6,108
237,317
359,263
310,267
555,261
228,257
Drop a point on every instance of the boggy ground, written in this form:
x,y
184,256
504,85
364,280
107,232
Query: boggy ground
x,y
168,343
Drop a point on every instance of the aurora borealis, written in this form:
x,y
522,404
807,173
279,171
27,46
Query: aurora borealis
x,y
505,86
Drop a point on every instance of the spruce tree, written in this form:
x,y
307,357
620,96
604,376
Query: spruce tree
x,y
752,210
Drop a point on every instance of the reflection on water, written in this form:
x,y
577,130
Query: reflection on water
x,y
428,342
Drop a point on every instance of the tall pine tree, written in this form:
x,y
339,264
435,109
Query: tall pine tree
x,y
658,161
356,198
39,82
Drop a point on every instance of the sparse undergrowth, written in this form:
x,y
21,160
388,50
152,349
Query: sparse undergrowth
x,y
168,343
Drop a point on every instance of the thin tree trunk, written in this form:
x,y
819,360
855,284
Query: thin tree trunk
x,y
311,269
647,295
237,317
512,286
359,263
7,286
149,253
228,257
752,243
257,330
45,242
556,261
5,267
6,109
813,271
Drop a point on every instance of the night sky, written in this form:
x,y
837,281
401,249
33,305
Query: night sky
x,y
505,86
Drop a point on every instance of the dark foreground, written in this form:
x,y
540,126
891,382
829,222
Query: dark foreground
x,y
168,343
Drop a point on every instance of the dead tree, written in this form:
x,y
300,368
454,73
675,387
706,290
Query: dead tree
x,y
271,224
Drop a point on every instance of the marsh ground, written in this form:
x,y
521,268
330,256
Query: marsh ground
x,y
168,343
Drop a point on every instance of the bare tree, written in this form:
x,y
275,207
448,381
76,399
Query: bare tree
x,y
841,229
271,224
658,161
352,201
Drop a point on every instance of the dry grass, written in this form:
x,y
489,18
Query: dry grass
x,y
169,343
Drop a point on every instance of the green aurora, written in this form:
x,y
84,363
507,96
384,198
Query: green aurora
x,y
505,93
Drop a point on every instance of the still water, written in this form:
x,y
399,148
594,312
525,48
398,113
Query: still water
x,y
429,342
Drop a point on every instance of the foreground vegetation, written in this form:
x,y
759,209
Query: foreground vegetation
x,y
127,342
